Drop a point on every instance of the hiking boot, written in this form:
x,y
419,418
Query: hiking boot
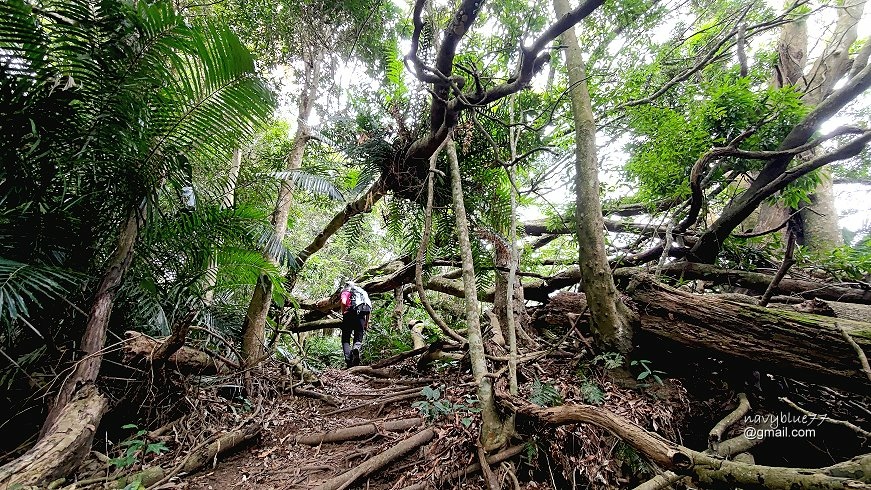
x,y
355,357
348,363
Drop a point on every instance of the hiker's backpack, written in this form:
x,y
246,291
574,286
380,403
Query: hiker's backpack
x,y
360,302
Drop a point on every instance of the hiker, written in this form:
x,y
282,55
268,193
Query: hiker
x,y
355,318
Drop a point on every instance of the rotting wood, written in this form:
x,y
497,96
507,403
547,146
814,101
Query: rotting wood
x,y
186,360
358,431
758,282
798,345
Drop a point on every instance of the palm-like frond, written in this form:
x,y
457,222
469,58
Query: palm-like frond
x,y
312,183
23,286
103,104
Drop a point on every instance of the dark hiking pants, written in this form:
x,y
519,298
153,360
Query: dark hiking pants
x,y
352,323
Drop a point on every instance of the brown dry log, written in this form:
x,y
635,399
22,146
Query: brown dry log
x,y
398,358
328,399
707,470
359,431
186,360
793,344
379,461
65,444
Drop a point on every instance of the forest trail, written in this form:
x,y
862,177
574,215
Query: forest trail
x,y
351,399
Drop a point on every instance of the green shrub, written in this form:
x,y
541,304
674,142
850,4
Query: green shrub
x,y
323,351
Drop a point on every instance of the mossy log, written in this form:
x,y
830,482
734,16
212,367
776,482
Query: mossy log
x,y
706,470
798,345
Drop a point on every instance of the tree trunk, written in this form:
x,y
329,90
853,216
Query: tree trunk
x,y
64,446
821,231
612,320
254,325
94,338
792,57
756,281
492,433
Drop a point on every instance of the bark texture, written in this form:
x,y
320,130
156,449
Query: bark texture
x,y
94,336
612,320
492,433
254,325
757,281
65,445
820,218
186,360
793,344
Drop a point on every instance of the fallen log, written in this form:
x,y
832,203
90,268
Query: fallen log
x,y
221,445
139,347
709,471
64,446
328,399
757,282
358,431
793,344
796,345
375,463
473,468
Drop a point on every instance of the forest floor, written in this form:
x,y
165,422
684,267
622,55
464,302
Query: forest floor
x,y
445,404
279,461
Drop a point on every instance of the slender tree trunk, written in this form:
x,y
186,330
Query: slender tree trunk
x,y
493,434
612,320
820,218
226,203
513,261
94,338
254,325
68,431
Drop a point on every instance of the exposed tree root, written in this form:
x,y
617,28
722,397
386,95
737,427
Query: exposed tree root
x,y
398,358
497,458
716,434
205,452
328,399
63,447
370,371
705,469
358,431
377,462
409,394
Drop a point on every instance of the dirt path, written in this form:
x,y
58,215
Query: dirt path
x,y
279,461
